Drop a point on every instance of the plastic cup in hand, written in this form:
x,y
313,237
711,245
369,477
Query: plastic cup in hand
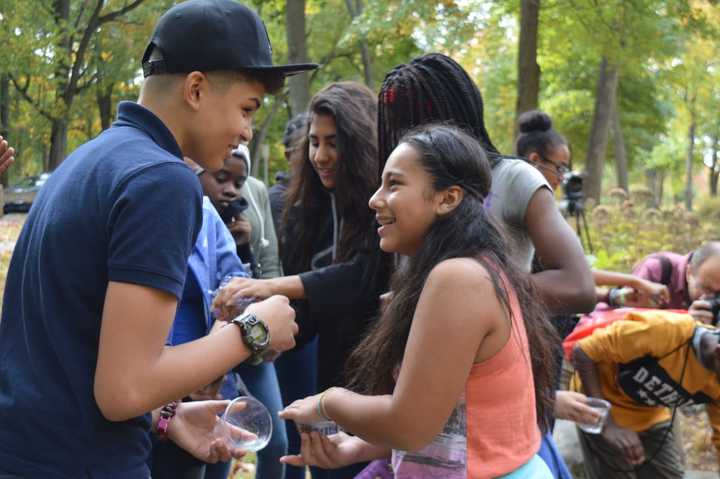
x,y
246,424
601,406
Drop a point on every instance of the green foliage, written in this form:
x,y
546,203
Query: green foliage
x,y
628,228
665,49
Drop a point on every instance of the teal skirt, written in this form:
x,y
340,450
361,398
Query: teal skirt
x,y
535,468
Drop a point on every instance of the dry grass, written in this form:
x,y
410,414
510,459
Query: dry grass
x,y
695,436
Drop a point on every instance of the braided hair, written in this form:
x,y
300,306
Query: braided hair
x,y
432,88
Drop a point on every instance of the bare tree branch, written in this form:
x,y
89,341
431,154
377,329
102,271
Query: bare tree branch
x,y
82,48
88,83
79,17
109,17
24,93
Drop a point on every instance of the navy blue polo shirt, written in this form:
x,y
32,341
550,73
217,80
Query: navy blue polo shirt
x,y
123,207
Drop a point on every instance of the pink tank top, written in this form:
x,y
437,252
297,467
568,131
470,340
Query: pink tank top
x,y
493,429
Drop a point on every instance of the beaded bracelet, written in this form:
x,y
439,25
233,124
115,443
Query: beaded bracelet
x,y
166,414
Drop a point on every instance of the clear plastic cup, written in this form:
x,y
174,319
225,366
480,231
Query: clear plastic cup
x,y
246,424
601,406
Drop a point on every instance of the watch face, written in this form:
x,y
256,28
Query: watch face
x,y
258,334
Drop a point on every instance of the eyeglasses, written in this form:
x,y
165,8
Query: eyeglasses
x,y
560,169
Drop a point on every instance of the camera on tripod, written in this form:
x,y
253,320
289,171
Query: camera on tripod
x,y
573,205
572,186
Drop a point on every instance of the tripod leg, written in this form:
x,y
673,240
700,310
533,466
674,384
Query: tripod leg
x,y
587,231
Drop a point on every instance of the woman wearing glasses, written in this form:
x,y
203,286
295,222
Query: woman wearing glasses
x,y
543,146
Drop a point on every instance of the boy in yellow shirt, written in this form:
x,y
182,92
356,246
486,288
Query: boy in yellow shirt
x,y
645,365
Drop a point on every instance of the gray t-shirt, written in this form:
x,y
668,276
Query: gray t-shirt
x,y
514,182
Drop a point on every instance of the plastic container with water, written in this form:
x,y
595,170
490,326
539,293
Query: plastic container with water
x,y
601,406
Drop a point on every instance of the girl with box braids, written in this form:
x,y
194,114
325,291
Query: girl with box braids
x,y
435,89
431,88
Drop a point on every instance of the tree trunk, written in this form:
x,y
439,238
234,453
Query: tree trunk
x,y
689,193
4,116
604,98
620,152
715,169
104,102
64,95
365,53
299,85
355,8
58,142
367,64
528,83
259,137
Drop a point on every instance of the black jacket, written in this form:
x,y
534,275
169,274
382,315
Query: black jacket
x,y
342,298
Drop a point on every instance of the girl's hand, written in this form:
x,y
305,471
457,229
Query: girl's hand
x,y
625,441
193,429
303,411
240,230
7,155
327,452
654,293
239,288
573,406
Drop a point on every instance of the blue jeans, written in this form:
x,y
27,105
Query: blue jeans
x,y
551,456
262,382
534,468
219,470
297,374
169,461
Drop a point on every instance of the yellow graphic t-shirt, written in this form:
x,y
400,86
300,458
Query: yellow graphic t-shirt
x,y
640,362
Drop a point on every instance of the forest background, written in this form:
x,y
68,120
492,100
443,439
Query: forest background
x,y
634,85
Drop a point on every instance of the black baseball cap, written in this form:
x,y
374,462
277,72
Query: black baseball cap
x,y
211,35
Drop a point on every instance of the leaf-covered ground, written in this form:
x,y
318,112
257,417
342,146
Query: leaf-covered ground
x,y
696,439
10,226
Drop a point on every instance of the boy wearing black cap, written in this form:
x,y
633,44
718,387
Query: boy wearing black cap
x,y
95,276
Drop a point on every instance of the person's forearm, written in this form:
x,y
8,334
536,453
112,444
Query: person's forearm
x,y
587,369
155,416
565,292
175,373
369,452
612,278
374,419
290,286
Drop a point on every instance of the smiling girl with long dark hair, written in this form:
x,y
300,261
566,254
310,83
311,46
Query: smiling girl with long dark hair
x,y
330,250
447,373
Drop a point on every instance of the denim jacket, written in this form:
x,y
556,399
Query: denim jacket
x,y
213,258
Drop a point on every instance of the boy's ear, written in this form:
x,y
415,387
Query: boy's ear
x,y
195,85
450,199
